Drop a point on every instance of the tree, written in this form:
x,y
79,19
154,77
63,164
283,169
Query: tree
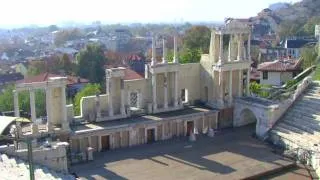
x,y
66,35
6,101
91,61
88,90
190,56
66,64
309,56
197,37
310,25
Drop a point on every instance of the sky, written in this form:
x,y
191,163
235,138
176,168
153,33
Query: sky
x,y
46,12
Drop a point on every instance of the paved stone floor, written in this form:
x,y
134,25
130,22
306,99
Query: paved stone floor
x,y
231,154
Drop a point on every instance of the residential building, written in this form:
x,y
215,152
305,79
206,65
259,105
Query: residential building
x,y
279,72
294,46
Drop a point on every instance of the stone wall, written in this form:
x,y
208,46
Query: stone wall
x,y
268,115
189,79
54,158
88,108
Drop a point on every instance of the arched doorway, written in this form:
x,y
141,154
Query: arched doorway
x,y
247,117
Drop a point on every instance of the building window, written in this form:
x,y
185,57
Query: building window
x,y
184,95
265,75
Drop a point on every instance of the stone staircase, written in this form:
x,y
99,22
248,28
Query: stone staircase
x,y
13,169
300,126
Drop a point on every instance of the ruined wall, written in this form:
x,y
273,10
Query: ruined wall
x,y
139,85
54,158
88,106
189,78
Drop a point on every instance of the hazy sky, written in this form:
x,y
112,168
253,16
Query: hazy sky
x,y
45,12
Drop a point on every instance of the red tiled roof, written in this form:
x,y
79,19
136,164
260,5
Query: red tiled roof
x,y
45,76
133,57
130,74
280,65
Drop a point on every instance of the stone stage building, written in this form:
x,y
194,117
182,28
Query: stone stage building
x,y
161,105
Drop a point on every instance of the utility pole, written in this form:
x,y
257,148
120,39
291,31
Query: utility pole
x,y
30,159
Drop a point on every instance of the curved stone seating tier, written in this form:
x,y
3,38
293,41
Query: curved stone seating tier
x,y
300,126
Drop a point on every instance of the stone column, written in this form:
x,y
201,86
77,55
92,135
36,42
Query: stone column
x,y
230,87
248,83
154,92
221,92
65,123
240,83
153,59
164,52
16,103
239,47
212,45
175,54
122,107
48,108
230,58
110,105
98,106
249,47
221,49
99,144
165,85
34,127
176,89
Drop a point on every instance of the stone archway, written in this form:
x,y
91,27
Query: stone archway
x,y
247,117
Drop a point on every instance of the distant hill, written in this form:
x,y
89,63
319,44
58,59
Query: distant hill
x,y
300,10
286,19
277,6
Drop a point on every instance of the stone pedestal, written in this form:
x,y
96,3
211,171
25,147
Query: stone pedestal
x,y
90,154
211,132
192,137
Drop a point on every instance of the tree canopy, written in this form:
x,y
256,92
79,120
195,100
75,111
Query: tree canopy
x,y
91,61
197,37
66,35
88,90
309,56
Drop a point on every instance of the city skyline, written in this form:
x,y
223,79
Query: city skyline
x,y
36,12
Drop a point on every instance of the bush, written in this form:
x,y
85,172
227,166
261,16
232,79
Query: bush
x,y
88,90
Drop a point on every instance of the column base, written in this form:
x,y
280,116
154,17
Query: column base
x,y
34,129
123,111
110,112
220,103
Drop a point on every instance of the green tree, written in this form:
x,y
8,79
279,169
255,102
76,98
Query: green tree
x,y
88,90
91,61
309,56
197,37
190,56
310,25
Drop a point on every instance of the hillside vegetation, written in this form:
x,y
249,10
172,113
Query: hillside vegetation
x,y
299,18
